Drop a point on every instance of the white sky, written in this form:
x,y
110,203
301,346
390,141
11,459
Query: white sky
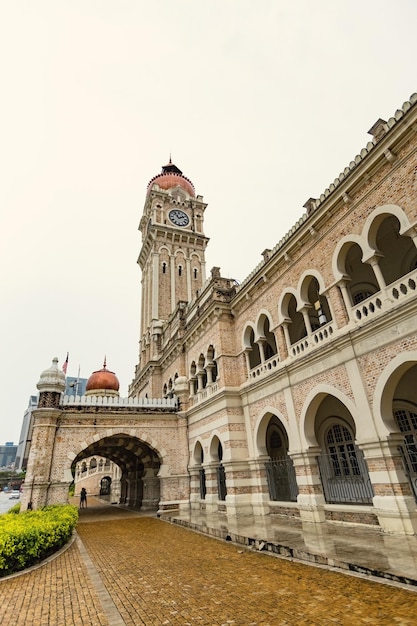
x,y
261,103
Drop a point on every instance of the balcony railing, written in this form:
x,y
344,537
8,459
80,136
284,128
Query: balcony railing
x,y
397,292
205,393
316,338
264,368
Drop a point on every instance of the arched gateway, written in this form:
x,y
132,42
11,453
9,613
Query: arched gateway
x,y
143,437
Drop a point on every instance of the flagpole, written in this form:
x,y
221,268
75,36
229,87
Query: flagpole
x,y
77,382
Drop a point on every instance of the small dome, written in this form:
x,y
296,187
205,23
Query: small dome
x,y
171,176
103,381
52,379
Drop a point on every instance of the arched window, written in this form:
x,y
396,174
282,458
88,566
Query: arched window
x,y
319,313
280,472
253,351
406,418
296,327
342,450
216,452
362,283
343,470
199,459
399,254
270,344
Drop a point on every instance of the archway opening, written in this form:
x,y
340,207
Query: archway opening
x,y
343,470
134,468
404,409
280,472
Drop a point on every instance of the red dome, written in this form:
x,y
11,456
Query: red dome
x,y
103,379
171,176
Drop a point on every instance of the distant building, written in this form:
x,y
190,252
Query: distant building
x,y
75,386
8,455
25,435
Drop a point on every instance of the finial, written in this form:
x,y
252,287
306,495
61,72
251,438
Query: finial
x,y
105,363
170,160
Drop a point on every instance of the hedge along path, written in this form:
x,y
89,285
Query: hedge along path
x,y
31,536
158,573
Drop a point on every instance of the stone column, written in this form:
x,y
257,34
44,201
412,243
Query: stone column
x,y
39,469
239,488
189,281
307,322
261,344
393,501
287,336
310,498
195,498
246,353
374,263
200,376
155,286
192,384
345,296
260,491
281,343
173,283
150,482
212,496
338,306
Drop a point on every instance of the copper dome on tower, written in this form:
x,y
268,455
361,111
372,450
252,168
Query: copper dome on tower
x,y
103,381
171,176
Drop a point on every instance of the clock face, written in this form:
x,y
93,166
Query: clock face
x,y
179,218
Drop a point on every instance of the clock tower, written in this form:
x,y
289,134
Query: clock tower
x,y
172,257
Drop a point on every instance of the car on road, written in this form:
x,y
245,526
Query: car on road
x,y
14,495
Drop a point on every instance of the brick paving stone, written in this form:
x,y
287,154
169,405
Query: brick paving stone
x,y
158,574
58,594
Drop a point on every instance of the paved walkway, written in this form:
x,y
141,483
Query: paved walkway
x,y
350,548
126,569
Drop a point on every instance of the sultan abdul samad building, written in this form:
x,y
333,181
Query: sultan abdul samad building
x,y
291,394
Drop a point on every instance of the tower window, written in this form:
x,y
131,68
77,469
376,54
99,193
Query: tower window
x,y
164,268
195,272
179,270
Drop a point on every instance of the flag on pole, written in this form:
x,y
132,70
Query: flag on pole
x,y
65,365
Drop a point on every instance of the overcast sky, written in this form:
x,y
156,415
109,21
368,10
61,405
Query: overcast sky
x,y
261,104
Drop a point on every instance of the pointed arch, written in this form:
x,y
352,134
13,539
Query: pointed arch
x,y
311,407
341,251
378,215
385,389
283,303
261,427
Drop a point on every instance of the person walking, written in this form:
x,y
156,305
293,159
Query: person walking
x,y
83,498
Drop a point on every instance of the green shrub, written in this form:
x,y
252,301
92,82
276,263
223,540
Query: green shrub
x,y
15,508
30,537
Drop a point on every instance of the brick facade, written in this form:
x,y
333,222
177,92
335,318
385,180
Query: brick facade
x,y
295,388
